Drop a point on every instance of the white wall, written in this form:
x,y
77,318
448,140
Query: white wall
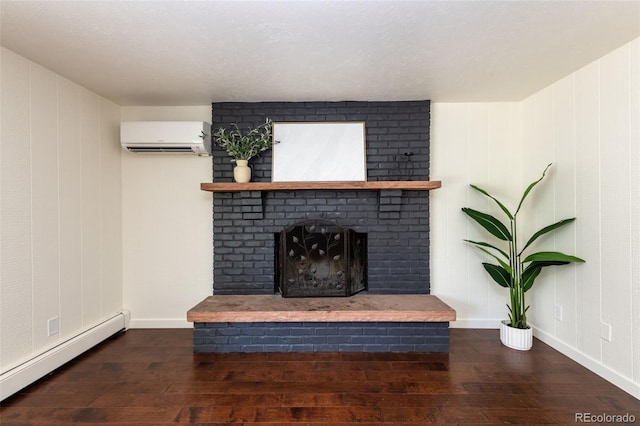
x,y
167,227
60,209
588,125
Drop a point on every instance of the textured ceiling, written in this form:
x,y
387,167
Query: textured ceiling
x,y
197,52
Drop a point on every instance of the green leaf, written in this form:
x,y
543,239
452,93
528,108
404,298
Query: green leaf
x,y
551,256
546,263
499,274
490,223
533,270
529,276
500,261
504,209
483,244
530,187
545,230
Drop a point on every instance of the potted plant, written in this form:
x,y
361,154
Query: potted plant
x,y
516,270
243,146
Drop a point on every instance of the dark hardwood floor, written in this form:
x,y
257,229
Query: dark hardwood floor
x,y
152,377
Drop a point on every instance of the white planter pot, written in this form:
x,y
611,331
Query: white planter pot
x,y
242,172
516,338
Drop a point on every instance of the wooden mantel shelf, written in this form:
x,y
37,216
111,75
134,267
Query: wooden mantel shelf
x,y
295,186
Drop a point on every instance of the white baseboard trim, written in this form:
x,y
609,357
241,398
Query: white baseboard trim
x,y
11,381
475,323
160,323
586,361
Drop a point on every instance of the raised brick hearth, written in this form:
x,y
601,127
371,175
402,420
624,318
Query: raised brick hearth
x,y
370,323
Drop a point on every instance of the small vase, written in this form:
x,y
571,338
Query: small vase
x,y
242,172
516,338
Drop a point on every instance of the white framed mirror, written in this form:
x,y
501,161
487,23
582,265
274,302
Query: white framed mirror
x,y
319,152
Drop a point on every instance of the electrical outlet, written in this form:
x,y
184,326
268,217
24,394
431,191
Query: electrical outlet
x,y
557,312
53,326
605,331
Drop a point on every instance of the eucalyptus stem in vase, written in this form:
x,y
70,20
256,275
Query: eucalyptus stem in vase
x,y
243,146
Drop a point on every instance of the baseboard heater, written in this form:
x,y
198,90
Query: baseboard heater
x,y
28,372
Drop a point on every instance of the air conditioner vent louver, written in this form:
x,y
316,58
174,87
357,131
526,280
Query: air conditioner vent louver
x,y
166,137
160,149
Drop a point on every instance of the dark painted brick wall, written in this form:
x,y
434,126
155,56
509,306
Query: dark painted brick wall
x,y
322,337
397,222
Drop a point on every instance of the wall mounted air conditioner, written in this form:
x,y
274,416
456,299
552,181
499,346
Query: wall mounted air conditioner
x,y
166,137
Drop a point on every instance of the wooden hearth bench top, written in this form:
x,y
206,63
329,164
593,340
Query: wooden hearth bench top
x,y
357,308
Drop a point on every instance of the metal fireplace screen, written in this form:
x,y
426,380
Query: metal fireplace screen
x,y
317,258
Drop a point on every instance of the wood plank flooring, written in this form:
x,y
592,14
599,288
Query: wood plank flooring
x,y
152,377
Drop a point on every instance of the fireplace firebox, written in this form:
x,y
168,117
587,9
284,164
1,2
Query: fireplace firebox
x,y
318,258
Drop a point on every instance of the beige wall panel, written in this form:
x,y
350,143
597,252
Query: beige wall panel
x,y
587,225
111,208
615,150
564,182
477,159
634,133
70,196
588,209
16,294
44,201
91,208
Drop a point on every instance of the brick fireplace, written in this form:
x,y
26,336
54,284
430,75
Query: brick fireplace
x,y
395,221
247,226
